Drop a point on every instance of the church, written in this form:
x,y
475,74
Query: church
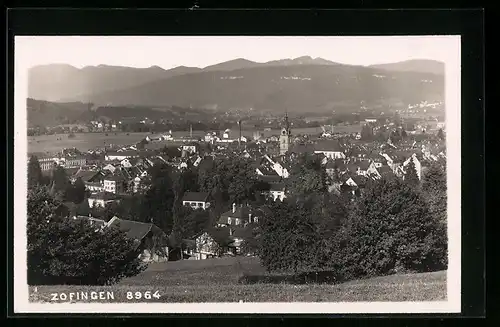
x,y
285,137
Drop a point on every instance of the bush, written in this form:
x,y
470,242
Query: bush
x,y
65,251
390,231
289,240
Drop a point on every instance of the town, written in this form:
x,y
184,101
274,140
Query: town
x,y
101,186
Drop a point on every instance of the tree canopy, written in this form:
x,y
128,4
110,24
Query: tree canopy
x,y
65,251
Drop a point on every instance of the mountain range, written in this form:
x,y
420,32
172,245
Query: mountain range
x,y
300,84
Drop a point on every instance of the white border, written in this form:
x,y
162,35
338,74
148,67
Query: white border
x,y
452,305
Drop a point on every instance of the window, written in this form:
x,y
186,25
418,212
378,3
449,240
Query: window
x,y
229,220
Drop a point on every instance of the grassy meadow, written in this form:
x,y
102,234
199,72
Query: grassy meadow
x,y
219,280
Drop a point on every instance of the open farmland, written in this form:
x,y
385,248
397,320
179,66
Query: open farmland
x,y
86,141
218,280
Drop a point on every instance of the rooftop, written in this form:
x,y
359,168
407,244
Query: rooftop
x,y
133,229
195,196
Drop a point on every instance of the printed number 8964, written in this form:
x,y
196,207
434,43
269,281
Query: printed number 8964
x,y
143,295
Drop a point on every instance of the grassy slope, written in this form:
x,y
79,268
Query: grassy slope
x,y
216,280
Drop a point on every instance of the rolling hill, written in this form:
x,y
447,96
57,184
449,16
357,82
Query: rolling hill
x,y
313,88
416,65
59,82
46,113
300,84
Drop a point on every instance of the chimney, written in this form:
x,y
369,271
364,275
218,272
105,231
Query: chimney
x,y
234,207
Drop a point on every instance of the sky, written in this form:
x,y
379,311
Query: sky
x,y
201,51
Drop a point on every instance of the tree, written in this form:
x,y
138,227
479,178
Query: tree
x,y
35,176
440,134
366,132
158,200
434,189
289,239
78,191
60,179
231,180
394,136
390,230
403,134
411,176
307,176
65,251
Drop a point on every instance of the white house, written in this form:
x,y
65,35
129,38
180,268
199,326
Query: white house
x,y
126,163
101,199
110,156
113,184
277,167
226,134
109,167
189,148
276,191
154,138
196,200
330,149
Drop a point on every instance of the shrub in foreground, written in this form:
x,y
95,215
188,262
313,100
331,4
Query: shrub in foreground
x,y
64,251
390,231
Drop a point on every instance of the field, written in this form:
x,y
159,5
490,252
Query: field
x,y
218,280
87,141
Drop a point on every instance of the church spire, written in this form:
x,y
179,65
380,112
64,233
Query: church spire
x,y
287,126
285,136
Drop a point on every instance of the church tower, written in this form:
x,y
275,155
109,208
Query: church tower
x,y
285,136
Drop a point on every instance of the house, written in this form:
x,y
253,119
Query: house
x,y
154,138
110,168
74,162
128,162
196,200
226,134
148,237
215,243
386,172
237,216
190,148
372,171
94,186
364,167
276,191
84,175
110,156
330,149
114,184
277,167
98,223
101,199
206,247
46,163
